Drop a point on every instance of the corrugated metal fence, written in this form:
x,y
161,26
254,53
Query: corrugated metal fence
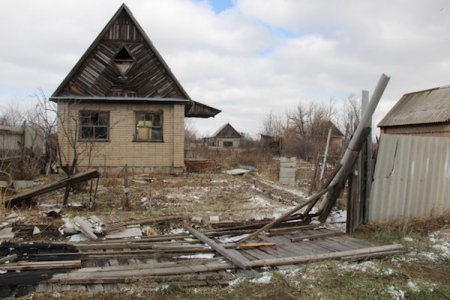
x,y
411,179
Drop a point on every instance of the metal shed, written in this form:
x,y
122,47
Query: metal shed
x,y
411,179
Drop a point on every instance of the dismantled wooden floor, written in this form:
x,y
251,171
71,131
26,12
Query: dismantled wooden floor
x,y
182,259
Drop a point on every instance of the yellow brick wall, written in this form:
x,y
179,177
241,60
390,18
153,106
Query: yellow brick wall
x,y
120,149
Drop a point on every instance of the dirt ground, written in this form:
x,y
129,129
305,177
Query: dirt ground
x,y
421,273
195,195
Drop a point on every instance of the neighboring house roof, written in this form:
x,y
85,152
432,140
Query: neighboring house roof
x,y
226,131
335,131
122,62
423,107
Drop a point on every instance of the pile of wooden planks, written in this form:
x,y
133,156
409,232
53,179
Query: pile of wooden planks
x,y
189,259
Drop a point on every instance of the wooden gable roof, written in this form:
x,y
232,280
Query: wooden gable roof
x,y
227,131
122,65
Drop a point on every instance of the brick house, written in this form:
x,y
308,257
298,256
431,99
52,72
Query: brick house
x,y
121,104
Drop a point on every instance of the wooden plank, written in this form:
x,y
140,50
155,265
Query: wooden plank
x,y
325,256
8,258
317,236
286,214
80,278
42,265
232,255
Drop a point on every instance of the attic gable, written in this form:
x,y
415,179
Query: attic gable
x,y
121,62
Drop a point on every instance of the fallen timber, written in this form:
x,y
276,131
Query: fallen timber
x,y
194,259
19,199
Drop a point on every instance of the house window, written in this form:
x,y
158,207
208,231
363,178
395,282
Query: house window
x,y
228,144
94,125
148,126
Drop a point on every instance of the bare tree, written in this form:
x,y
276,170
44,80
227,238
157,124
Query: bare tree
x,y
12,116
273,125
351,113
190,132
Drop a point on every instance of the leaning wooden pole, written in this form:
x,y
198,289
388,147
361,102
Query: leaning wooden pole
x,y
349,156
324,163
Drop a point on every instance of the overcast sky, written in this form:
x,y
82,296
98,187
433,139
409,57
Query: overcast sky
x,y
244,57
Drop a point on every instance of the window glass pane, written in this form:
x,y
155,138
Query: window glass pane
x,y
87,132
101,132
156,120
85,119
94,118
156,134
148,117
102,119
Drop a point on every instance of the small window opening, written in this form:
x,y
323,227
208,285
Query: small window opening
x,y
123,61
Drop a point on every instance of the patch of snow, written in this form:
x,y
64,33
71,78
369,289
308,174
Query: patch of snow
x,y
443,249
412,286
396,293
338,216
177,231
232,239
367,266
219,181
79,237
387,271
260,201
408,239
283,188
265,278
235,282
198,255
429,256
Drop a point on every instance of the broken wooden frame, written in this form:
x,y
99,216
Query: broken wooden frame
x,y
66,183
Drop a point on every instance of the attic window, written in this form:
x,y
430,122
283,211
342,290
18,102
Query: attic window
x,y
123,61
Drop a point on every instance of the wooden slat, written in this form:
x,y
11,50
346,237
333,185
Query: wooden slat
x,y
232,255
42,265
325,256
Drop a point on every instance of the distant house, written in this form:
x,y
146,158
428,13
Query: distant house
x,y
122,105
337,137
225,137
420,113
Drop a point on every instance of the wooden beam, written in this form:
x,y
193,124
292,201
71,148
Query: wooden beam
x,y
232,255
42,265
8,258
325,256
285,215
78,178
317,236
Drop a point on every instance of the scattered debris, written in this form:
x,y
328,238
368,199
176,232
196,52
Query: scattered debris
x,y
239,171
26,197
214,219
132,232
36,230
6,233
